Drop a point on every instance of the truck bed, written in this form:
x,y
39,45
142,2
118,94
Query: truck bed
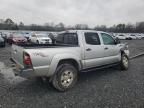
x,y
31,46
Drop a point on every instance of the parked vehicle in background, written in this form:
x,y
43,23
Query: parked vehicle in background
x,y
17,38
75,51
26,35
142,35
55,34
4,36
133,36
52,37
40,39
121,36
0,33
9,38
139,36
2,42
128,37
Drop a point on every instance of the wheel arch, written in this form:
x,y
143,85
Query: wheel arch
x,y
123,52
70,61
64,58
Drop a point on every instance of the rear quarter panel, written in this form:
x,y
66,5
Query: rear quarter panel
x,y
45,60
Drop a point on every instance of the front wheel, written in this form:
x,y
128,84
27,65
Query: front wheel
x,y
65,77
124,62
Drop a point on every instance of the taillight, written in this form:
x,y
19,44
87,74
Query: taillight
x,y
27,60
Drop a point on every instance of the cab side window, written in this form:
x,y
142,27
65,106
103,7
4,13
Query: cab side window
x,y
107,39
67,38
92,38
71,39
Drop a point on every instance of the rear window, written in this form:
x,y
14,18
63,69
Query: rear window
x,y
67,38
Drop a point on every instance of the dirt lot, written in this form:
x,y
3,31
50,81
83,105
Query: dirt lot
x,y
108,88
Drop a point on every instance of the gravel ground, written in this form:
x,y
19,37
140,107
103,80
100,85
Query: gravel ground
x,y
135,46
107,88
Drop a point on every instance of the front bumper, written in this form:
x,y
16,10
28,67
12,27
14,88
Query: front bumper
x,y
127,53
45,42
19,42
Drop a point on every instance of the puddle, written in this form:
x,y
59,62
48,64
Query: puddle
x,y
6,74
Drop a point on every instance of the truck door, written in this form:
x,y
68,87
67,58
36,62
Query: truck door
x,y
93,51
111,50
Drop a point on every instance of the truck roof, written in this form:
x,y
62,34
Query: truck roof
x,y
74,31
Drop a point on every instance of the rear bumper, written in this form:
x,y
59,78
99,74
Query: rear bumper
x,y
29,72
18,71
25,73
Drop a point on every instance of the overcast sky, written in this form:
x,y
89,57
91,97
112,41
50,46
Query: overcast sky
x,y
71,12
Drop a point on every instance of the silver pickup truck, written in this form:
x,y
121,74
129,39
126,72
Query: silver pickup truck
x,y
75,51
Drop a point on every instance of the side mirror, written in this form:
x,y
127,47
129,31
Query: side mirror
x,y
117,41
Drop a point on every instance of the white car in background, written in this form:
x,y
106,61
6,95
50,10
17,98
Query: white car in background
x,y
40,39
139,36
26,35
133,36
142,35
121,36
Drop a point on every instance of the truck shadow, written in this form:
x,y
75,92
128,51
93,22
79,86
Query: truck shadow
x,y
33,87
98,73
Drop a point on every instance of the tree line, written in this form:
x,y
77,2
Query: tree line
x,y
9,24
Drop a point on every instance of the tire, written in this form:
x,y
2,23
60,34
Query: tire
x,y
65,77
124,62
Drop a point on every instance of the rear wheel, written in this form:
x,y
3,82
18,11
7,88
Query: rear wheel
x,y
65,77
124,62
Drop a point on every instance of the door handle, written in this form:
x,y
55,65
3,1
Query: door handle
x,y
88,49
106,48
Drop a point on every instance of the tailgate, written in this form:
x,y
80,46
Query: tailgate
x,y
17,55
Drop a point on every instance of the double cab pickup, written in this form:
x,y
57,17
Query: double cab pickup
x,y
74,51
